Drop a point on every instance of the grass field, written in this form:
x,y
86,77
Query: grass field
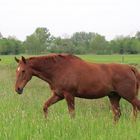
x,y
22,118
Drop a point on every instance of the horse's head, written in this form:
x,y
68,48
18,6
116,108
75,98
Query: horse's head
x,y
23,74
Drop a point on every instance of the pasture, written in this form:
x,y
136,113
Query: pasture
x,y
22,118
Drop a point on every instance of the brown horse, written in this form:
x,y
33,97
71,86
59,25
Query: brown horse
x,y
70,77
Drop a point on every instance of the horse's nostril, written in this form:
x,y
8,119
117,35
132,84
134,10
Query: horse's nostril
x,y
19,90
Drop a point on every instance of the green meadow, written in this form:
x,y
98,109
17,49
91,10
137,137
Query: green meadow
x,y
22,118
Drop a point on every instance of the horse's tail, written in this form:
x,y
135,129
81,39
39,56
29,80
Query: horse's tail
x,y
137,74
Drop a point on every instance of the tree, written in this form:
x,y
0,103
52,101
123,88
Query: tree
x,y
10,46
81,41
138,35
125,45
98,44
37,42
1,36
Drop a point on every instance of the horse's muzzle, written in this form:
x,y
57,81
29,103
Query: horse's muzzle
x,y
19,90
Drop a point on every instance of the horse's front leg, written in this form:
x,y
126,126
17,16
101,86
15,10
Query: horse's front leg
x,y
52,100
71,104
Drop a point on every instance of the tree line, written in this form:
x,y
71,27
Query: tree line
x,y
41,41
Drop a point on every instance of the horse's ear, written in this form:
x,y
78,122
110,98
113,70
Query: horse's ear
x,y
23,59
17,60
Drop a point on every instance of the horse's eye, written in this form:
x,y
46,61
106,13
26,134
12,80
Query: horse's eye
x,y
23,71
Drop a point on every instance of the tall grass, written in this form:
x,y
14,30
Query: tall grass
x,y
22,118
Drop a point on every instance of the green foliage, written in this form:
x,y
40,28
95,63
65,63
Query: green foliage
x,y
85,43
37,42
41,42
81,43
93,43
125,45
61,46
137,35
99,45
10,46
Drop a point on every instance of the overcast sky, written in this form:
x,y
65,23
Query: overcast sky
x,y
106,17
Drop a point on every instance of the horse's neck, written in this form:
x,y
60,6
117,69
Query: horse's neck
x,y
43,71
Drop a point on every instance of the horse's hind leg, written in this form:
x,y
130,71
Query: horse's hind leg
x,y
134,104
130,94
114,100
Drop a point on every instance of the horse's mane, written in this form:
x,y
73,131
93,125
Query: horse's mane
x,y
52,58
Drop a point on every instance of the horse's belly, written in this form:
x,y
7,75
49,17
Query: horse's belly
x,y
93,94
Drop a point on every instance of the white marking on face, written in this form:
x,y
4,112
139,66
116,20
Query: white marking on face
x,y
18,69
